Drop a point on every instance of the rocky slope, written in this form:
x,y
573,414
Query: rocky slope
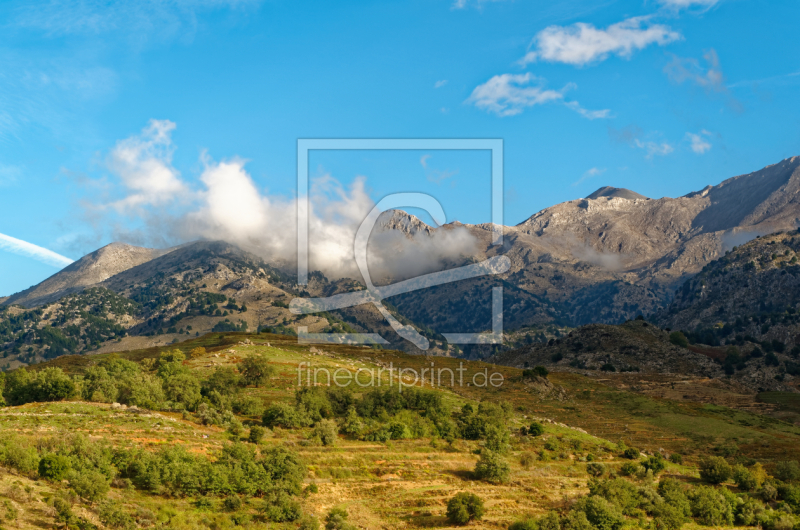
x,y
640,347
89,270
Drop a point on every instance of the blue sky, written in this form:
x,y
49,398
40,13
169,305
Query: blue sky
x,y
663,97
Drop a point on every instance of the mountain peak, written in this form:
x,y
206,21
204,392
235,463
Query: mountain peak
x,y
622,193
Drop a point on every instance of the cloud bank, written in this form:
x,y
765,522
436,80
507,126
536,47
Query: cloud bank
x,y
226,204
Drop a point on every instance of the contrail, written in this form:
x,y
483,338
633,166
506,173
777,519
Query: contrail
x,y
23,248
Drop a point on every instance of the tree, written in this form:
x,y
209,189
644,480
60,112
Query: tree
x,y
600,513
491,467
536,429
715,470
280,414
223,380
788,471
465,507
326,431
89,484
257,434
183,388
256,370
54,467
679,339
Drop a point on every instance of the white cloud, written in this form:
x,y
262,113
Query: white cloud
x,y
440,83
685,4
424,160
510,94
699,143
144,165
588,114
593,172
461,4
583,43
23,248
226,204
654,148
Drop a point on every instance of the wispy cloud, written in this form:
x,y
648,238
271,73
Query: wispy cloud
x,y
686,4
635,137
654,148
593,172
23,248
9,175
708,76
440,83
699,142
582,43
510,94
461,4
140,20
424,161
589,114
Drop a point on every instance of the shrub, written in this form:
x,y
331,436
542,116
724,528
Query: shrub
x,y
492,468
249,406
667,517
526,459
679,339
89,484
673,494
676,458
536,429
748,511
308,523
655,463
715,470
744,479
256,370
497,439
232,503
337,520
284,468
183,389
257,433
595,469
50,384
787,471
280,507
223,380
281,414
525,524
113,515
710,506
54,467
326,431
631,453
464,507
600,513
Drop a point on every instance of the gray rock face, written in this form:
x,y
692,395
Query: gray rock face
x,y
608,191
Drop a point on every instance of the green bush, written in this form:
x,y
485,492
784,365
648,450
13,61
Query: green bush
x,y
673,494
748,511
600,513
787,471
54,467
715,470
113,515
256,370
676,458
631,453
744,479
248,406
525,524
89,484
232,503
536,429
667,517
679,339
50,384
464,507
497,439
326,431
711,507
655,463
595,469
280,414
491,467
337,520
280,507
257,433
